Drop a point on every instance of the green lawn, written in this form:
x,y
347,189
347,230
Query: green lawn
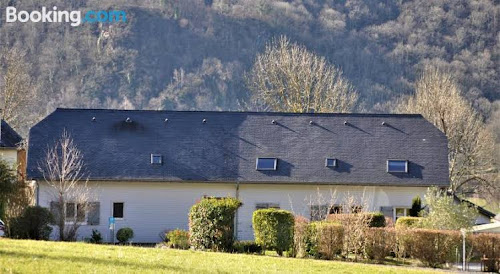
x,y
21,256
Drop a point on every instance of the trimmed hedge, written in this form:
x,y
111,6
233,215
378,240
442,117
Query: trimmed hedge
x,y
273,229
300,236
211,223
379,243
376,219
124,234
178,238
408,222
487,245
249,247
432,247
326,239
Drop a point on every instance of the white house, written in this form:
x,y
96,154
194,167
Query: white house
x,y
147,168
10,148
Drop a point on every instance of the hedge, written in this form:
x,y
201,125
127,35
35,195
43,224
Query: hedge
x,y
379,243
375,219
326,239
211,223
432,247
249,247
32,224
178,238
273,229
408,222
487,245
124,234
300,236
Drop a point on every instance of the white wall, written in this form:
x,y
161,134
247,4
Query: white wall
x,y
9,155
151,208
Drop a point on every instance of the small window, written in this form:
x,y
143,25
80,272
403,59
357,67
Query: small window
x,y
156,159
331,162
70,211
118,210
319,212
74,212
266,163
267,205
397,166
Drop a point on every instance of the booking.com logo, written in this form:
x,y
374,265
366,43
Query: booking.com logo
x,y
63,16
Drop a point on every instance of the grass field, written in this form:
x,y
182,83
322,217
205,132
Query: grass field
x,y
21,256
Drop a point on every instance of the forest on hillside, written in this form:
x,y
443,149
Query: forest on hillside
x,y
200,55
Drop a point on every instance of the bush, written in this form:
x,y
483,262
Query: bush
x,y
300,236
95,237
379,243
273,229
416,206
249,247
124,234
178,238
211,223
375,219
326,239
487,245
32,224
408,222
432,247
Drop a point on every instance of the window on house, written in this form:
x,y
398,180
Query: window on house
x,y
319,212
266,163
118,210
74,212
331,162
267,205
400,212
397,166
156,159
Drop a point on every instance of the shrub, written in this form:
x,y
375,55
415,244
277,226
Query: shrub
x,y
211,223
326,239
95,237
432,247
124,234
273,229
487,245
416,206
379,243
32,224
408,222
374,219
178,238
246,247
300,236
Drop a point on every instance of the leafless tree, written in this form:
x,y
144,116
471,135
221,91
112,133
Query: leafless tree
x,y
16,88
289,78
64,173
470,144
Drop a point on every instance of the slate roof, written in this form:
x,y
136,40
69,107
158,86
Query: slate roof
x,y
9,137
225,147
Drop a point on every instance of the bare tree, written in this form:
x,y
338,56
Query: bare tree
x,y
438,98
63,171
16,89
289,78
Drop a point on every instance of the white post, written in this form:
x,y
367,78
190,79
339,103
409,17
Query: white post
x,y
463,248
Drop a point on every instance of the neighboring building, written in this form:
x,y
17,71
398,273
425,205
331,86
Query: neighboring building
x,y
150,167
484,216
10,149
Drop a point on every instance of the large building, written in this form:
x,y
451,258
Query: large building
x,y
147,168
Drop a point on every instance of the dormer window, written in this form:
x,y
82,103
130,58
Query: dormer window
x,y
331,162
397,166
266,163
156,159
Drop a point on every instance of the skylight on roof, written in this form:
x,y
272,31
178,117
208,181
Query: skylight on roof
x,y
397,166
266,163
156,159
331,162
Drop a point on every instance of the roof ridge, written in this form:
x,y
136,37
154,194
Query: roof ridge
x,y
409,115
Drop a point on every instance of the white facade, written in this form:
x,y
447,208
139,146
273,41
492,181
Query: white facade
x,y
9,155
150,208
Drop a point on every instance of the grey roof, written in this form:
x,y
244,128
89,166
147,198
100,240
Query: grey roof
x,y
9,137
225,147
